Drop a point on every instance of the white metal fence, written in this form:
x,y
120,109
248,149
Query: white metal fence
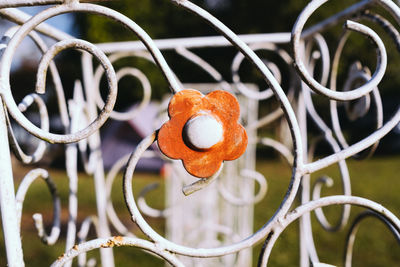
x,y
86,112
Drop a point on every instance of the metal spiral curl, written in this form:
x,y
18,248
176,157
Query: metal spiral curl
x,y
37,155
29,178
127,71
28,101
349,25
82,236
145,208
111,213
326,135
361,107
239,59
354,228
250,174
322,202
41,74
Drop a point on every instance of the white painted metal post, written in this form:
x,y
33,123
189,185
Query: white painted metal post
x,y
9,219
94,142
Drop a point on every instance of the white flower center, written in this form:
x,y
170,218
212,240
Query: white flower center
x,y
203,132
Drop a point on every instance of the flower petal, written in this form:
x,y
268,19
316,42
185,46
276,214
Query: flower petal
x,y
203,166
170,139
185,101
224,105
235,142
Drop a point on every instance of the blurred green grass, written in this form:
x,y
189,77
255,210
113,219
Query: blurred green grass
x,y
376,179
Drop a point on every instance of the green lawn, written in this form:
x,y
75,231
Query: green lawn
x,y
376,179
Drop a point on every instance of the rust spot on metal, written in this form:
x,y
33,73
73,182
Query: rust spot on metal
x,y
60,257
75,247
118,239
110,243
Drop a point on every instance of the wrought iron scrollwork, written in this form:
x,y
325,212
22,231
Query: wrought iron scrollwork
x,y
81,122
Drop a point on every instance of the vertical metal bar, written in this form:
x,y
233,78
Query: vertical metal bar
x,y
94,142
307,246
305,187
71,155
248,162
10,223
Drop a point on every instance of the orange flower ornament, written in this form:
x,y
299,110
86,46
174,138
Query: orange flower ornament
x,y
203,131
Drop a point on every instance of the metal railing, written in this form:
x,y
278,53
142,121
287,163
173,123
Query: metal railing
x,y
84,114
